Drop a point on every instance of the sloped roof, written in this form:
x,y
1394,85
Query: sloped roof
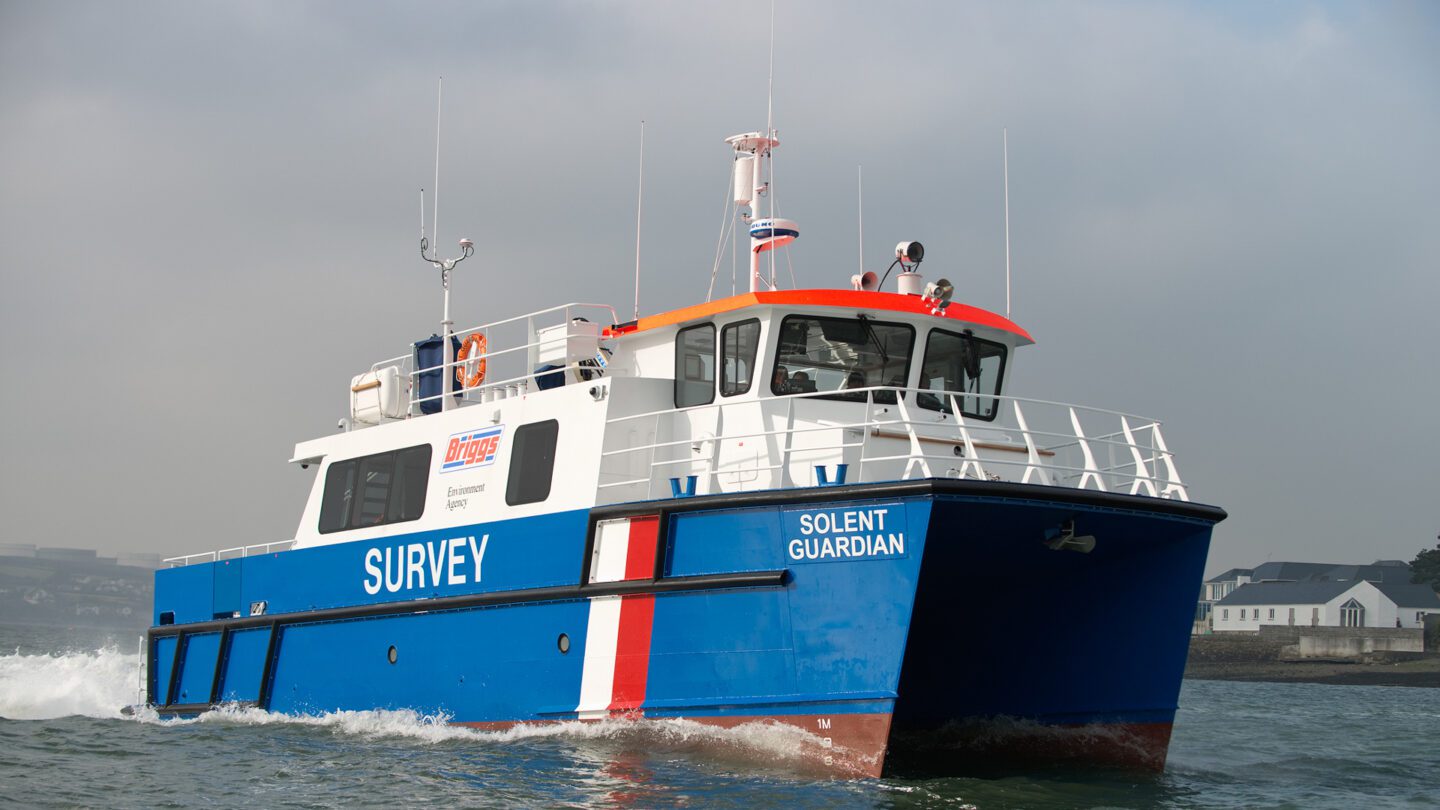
x,y
1286,593
1292,571
1282,572
1403,594
1410,594
1371,573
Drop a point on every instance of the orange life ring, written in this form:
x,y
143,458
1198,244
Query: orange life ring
x,y
476,343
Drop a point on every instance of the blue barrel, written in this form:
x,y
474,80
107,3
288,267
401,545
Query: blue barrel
x,y
430,362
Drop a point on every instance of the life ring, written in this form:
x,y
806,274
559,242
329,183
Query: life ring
x,y
476,343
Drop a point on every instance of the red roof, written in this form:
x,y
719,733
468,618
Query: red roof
x,y
848,299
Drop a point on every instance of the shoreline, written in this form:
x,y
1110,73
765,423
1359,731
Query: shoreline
x,y
1421,673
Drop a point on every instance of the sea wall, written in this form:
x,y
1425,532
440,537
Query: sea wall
x,y
1288,643
1221,648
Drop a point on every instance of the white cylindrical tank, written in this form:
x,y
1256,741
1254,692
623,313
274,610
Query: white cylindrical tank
x,y
745,179
910,283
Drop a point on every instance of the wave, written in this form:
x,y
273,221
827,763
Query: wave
x,y
88,684
100,684
775,741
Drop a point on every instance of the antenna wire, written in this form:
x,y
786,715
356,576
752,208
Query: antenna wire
x,y
1005,135
639,207
435,215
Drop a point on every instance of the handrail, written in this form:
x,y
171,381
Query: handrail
x,y
539,312
228,553
1133,456
527,350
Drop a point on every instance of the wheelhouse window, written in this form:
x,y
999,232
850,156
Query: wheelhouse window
x,y
532,462
967,368
838,354
375,490
738,342
695,366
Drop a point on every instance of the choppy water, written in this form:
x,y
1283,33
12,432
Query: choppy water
x,y
64,743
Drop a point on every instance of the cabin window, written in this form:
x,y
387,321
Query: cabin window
x,y
375,490
967,368
837,354
372,489
695,366
738,342
412,475
532,462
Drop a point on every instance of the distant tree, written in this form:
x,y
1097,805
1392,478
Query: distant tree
x,y
1425,568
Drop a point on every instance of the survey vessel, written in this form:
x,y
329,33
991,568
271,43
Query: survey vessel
x,y
811,507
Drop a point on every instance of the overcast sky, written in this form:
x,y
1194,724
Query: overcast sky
x,y
1226,216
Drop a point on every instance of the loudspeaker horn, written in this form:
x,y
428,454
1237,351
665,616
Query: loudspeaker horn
x,y
867,281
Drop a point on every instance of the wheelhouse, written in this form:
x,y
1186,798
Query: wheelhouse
x,y
840,353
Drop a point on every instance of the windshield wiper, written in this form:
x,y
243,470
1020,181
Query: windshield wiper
x,y
870,330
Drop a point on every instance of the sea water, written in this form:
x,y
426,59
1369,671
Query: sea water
x,y
65,743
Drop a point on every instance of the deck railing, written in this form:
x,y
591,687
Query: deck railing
x,y
510,356
797,440
229,553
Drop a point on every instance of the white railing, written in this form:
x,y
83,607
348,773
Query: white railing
x,y
798,439
229,553
510,356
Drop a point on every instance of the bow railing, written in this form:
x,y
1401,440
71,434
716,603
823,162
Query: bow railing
x,y
803,439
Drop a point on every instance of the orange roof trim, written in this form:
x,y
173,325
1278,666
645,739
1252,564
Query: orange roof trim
x,y
848,299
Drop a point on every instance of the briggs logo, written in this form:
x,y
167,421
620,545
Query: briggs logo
x,y
474,448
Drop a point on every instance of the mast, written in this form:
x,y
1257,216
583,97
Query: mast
x,y
445,266
766,233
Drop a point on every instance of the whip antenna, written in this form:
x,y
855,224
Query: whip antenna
x,y
435,215
1005,140
770,130
639,207
860,212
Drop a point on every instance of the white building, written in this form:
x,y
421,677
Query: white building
x,y
1327,602
1222,585
1216,588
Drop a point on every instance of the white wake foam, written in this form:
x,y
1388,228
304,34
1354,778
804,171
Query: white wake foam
x,y
775,743
89,684
774,738
99,684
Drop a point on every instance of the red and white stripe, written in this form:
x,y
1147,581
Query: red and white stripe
x,y
617,639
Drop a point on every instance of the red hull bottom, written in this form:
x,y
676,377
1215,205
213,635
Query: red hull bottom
x,y
1006,742
856,745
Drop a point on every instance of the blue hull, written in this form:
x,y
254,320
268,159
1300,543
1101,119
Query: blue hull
x,y
869,615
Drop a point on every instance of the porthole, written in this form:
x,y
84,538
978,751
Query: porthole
x,y
563,642
392,654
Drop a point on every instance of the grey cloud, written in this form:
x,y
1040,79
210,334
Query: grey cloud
x,y
1222,217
